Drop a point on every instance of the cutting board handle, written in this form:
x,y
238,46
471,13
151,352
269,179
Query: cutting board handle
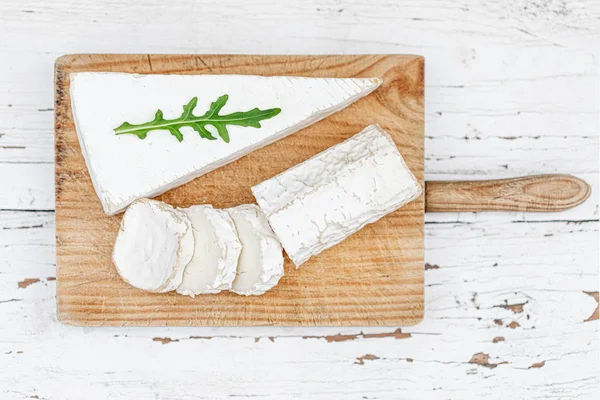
x,y
538,193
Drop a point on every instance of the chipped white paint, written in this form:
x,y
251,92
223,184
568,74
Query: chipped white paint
x,y
512,89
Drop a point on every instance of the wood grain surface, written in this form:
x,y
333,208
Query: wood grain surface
x,y
511,90
539,193
375,278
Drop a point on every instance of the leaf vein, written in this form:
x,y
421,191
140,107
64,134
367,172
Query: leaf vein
x,y
250,118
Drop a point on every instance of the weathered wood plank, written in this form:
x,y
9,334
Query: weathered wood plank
x,y
486,47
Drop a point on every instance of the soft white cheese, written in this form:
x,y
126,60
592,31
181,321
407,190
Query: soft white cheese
x,y
320,202
216,252
260,265
124,167
153,246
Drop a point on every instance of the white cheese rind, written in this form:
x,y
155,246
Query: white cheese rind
x,y
320,202
153,246
260,265
124,167
216,251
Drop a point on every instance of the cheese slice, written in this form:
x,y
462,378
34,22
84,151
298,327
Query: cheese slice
x,y
216,252
125,167
153,246
320,202
261,263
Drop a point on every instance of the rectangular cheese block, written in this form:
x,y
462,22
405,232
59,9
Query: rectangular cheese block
x,y
124,167
320,202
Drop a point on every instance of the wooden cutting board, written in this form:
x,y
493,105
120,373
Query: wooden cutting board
x,y
374,278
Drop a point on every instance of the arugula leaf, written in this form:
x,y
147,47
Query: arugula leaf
x,y
198,123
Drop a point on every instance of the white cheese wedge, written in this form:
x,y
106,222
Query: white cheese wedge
x,y
320,202
216,252
153,246
125,167
261,263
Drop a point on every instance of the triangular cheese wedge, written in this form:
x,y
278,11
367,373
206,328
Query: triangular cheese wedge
x,y
125,167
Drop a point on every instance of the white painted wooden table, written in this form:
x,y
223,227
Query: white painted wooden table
x,y
512,89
